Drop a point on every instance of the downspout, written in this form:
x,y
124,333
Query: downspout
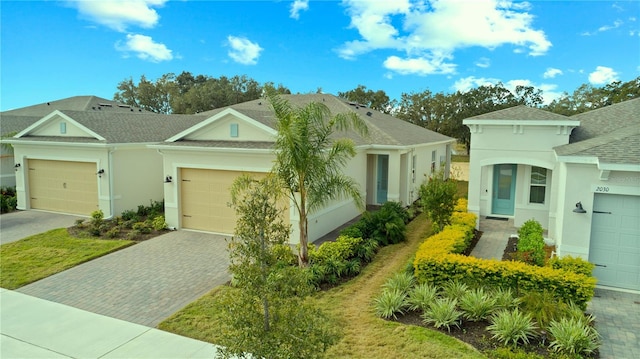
x,y
111,176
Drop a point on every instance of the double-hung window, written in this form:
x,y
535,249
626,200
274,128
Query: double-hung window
x,y
538,188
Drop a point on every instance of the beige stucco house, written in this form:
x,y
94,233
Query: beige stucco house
x,y
114,158
578,176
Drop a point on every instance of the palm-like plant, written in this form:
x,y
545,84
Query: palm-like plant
x,y
309,159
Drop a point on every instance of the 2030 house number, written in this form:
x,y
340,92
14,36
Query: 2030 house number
x,y
602,189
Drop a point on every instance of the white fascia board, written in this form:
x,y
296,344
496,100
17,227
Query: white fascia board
x,y
570,123
619,167
217,117
209,149
51,115
578,159
54,143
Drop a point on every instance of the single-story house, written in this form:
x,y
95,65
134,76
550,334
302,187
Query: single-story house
x,y
80,161
578,176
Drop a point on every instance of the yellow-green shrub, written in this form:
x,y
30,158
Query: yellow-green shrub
x,y
437,261
573,264
461,205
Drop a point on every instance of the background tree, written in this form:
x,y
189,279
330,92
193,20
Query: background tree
x,y
377,100
587,98
309,160
266,314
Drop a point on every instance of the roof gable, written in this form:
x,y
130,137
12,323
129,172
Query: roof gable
x,y
227,125
58,124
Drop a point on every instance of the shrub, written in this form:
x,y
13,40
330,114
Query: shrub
x,y
421,296
158,223
543,307
97,219
402,282
79,223
531,243
505,299
366,250
130,215
442,313
8,199
575,265
133,234
113,232
437,197
461,205
455,289
512,327
155,209
477,305
389,303
141,227
388,223
512,353
333,260
573,337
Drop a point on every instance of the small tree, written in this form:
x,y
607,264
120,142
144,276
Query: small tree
x,y
267,314
438,198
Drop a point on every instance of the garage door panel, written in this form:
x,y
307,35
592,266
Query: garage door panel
x,y
63,186
205,195
615,240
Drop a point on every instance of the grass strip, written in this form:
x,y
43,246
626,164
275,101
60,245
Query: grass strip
x,y
39,256
364,335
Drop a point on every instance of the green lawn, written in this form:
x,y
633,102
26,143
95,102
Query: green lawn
x,y
364,335
48,253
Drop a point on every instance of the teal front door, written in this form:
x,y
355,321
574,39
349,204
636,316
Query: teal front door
x,y
383,179
504,189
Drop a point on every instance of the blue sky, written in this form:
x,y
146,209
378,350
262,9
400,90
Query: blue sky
x,y
56,49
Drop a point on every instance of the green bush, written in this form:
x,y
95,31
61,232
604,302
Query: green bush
x,y
543,307
113,232
573,337
402,282
575,265
390,303
505,299
512,353
8,199
512,327
421,296
130,215
388,223
438,199
158,223
442,313
142,227
455,289
333,260
477,305
531,243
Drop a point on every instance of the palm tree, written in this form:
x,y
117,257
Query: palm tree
x,y
309,160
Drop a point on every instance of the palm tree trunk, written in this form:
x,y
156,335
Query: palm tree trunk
x,y
303,258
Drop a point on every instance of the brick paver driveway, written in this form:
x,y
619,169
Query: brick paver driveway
x,y
144,283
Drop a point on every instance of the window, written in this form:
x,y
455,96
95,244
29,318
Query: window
x,y
538,185
433,161
234,130
413,169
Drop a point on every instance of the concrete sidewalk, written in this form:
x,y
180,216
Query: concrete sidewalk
x,y
36,328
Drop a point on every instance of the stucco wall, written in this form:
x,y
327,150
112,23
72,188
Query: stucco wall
x,y
138,177
7,171
580,182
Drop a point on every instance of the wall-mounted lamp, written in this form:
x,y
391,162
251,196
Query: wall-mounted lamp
x,y
579,208
168,179
100,173
16,166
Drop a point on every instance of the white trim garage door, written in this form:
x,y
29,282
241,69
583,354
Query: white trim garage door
x,y
204,198
615,240
63,186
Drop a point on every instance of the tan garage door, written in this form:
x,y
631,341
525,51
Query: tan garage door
x,y
63,186
204,197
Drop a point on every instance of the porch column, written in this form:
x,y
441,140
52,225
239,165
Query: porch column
x,y
475,171
393,193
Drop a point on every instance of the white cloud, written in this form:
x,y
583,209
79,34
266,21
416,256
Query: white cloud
x,y
425,30
297,6
615,25
119,14
419,66
551,73
483,62
467,83
243,51
145,48
603,75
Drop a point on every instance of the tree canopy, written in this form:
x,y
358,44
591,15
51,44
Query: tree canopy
x,y
188,94
377,100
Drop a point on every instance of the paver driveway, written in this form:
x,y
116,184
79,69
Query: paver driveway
x,y
144,283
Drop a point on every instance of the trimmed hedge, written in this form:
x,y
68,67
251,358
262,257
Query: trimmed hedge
x,y
437,261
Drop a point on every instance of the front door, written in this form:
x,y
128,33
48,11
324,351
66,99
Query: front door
x,y
383,179
504,189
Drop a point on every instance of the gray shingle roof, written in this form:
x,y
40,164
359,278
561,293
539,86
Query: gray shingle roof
x,y
123,127
14,124
521,112
611,133
606,119
383,129
75,103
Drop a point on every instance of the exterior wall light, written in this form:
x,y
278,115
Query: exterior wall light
x,y
100,173
16,166
579,208
168,179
